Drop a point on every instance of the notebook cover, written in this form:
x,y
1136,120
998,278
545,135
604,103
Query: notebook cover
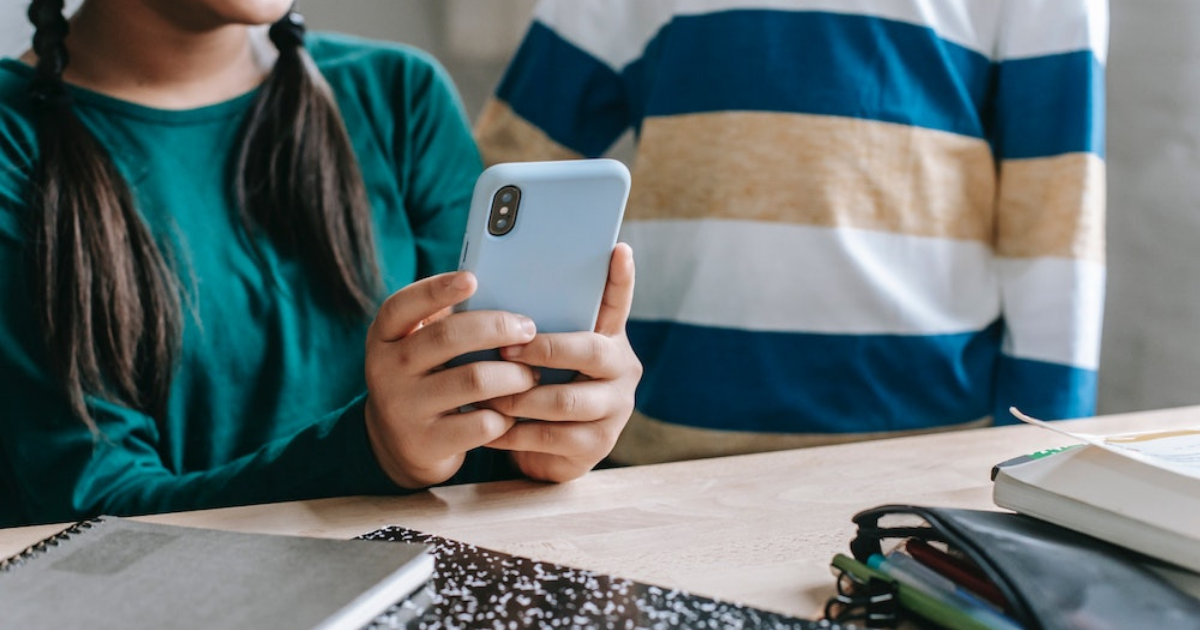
x,y
478,587
114,573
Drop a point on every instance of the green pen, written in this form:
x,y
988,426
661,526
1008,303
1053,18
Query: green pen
x,y
911,599
905,570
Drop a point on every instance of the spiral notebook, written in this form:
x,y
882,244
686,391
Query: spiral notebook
x,y
114,573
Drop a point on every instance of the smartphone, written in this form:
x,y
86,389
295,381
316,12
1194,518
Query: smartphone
x,y
539,239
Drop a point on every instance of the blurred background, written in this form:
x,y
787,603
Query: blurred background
x,y
1151,350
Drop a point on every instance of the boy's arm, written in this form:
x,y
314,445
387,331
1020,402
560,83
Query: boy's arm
x,y
1048,134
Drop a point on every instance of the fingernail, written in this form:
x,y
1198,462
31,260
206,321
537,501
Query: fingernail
x,y
512,352
459,282
528,327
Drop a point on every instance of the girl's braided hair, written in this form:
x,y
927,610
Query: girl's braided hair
x,y
107,298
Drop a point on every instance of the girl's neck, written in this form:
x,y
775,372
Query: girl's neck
x,y
131,50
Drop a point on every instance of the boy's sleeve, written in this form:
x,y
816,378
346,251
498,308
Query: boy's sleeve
x,y
563,95
1047,130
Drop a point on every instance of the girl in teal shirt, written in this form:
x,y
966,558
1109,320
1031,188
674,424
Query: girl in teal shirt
x,y
199,233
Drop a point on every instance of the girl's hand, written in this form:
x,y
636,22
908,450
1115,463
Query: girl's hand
x,y
577,423
412,410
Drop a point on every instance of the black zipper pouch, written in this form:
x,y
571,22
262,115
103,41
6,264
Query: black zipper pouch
x,y
1050,578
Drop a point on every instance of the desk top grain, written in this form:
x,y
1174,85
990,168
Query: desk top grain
x,y
756,529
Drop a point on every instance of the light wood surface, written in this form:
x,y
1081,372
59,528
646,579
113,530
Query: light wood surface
x,y
757,529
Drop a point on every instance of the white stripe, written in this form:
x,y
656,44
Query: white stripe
x,y
793,278
968,23
613,31
1054,308
1033,28
617,32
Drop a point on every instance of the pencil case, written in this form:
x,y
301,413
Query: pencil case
x,y
1050,578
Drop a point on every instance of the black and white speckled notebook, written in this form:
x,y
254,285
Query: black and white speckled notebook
x,y
480,588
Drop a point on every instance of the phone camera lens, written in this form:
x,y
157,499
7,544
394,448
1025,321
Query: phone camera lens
x,y
506,205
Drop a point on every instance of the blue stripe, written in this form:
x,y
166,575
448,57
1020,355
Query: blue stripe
x,y
1043,390
1049,106
813,63
571,96
810,383
810,63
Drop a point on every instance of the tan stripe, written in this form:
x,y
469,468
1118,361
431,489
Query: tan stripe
x,y
1052,207
649,441
814,170
503,136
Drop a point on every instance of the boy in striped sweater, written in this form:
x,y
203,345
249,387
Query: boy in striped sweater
x,y
853,218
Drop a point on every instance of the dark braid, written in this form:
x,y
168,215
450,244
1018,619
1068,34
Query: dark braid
x,y
297,178
49,43
106,300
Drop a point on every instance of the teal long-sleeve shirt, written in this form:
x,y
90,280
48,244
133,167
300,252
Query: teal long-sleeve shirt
x,y
267,397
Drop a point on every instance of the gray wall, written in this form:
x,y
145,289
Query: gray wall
x,y
472,38
1151,351
14,27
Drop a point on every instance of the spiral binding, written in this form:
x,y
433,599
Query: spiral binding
x,y
44,545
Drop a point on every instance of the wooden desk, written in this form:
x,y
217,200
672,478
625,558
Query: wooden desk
x,y
759,529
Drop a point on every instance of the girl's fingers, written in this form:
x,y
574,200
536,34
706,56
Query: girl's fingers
x,y
424,299
618,293
435,317
592,354
564,439
461,432
443,339
455,387
412,414
573,402
422,461
551,468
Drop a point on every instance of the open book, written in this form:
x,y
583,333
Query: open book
x,y
113,573
1138,490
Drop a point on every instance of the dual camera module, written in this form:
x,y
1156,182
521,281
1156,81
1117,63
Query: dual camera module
x,y
504,210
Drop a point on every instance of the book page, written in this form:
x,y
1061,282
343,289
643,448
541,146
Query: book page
x,y
1177,450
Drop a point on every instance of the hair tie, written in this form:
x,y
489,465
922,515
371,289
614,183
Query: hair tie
x,y
50,94
288,32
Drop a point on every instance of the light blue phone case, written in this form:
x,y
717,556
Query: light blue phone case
x,y
553,264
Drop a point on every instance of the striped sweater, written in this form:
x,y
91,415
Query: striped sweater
x,y
851,217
